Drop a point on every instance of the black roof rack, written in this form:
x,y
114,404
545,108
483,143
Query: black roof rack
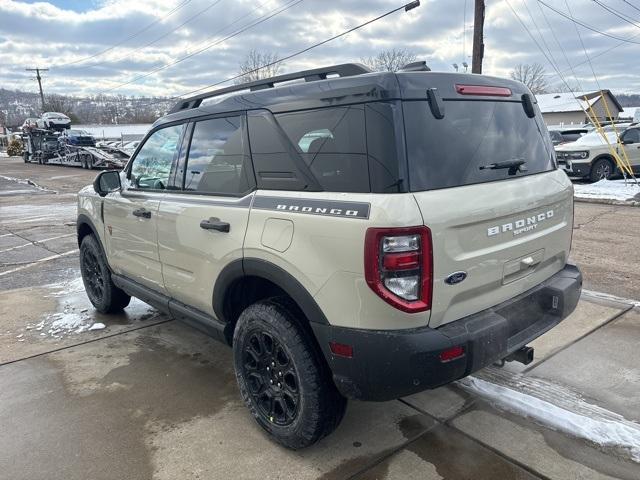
x,y
342,70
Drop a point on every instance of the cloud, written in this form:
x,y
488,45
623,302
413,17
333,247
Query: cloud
x,y
129,39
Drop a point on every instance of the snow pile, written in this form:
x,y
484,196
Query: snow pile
x,y
600,426
73,316
615,190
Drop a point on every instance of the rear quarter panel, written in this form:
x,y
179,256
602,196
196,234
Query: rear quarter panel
x,y
326,253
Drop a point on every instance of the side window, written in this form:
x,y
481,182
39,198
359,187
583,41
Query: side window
x,y
152,165
332,143
632,136
217,161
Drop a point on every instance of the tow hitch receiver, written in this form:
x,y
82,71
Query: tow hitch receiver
x,y
524,355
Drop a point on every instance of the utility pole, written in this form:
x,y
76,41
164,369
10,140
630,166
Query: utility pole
x,y
478,37
39,78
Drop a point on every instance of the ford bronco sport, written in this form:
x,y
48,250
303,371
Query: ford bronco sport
x,y
590,156
350,234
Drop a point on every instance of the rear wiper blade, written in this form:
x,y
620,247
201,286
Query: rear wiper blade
x,y
514,166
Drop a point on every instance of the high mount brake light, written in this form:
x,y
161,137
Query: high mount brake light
x,y
483,90
398,265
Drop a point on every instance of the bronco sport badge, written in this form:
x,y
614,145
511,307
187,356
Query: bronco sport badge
x,y
521,225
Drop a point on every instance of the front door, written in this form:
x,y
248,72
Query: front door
x,y
631,143
201,226
130,216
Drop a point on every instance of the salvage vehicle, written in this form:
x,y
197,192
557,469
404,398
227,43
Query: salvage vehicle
x,y
590,156
78,138
350,234
55,121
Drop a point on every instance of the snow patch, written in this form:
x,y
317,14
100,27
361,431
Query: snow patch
x,y
97,326
607,430
608,190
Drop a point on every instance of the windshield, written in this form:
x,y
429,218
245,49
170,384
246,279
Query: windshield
x,y
475,142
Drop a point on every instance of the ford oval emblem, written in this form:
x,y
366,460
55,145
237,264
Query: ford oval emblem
x,y
455,277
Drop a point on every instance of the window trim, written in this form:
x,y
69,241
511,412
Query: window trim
x,y
129,165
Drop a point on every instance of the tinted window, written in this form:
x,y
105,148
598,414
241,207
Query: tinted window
x,y
632,135
450,152
152,166
332,143
276,161
217,161
385,147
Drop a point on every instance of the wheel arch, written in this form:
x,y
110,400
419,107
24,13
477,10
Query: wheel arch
x,y
84,227
245,281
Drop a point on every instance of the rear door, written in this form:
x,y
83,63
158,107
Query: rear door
x,y
130,216
201,225
497,232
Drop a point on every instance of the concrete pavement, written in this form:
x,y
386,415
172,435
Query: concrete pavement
x,y
147,397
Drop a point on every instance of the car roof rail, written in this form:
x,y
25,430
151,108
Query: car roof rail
x,y
342,70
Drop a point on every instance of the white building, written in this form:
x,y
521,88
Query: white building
x,y
569,108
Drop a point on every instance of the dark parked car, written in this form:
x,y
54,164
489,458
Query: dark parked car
x,y
79,138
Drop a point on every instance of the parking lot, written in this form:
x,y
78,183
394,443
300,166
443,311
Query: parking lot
x,y
139,395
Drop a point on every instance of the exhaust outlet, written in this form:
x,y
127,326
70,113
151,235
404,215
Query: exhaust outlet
x,y
524,355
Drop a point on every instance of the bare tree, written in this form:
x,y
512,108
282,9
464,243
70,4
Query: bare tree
x,y
390,60
258,65
532,75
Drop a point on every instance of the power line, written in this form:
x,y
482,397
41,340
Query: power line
x,y
102,52
616,13
524,26
587,26
584,48
631,5
156,40
540,34
562,50
262,19
406,7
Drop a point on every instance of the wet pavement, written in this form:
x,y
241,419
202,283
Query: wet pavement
x,y
142,396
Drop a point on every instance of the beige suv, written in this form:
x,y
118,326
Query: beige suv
x,y
353,235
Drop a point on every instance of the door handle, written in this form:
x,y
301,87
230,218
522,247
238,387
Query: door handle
x,y
214,223
142,212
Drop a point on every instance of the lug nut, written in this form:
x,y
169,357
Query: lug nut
x,y
279,384
267,369
273,364
271,381
280,373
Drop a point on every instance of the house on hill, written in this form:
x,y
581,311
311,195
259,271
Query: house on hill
x,y
569,108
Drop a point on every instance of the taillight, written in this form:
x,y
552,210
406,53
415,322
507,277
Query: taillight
x,y
398,266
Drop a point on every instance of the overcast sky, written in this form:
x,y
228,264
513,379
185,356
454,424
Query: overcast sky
x,y
130,38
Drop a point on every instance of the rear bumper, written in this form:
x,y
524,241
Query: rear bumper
x,y
388,364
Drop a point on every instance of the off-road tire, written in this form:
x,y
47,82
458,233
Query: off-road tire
x,y
320,407
599,170
103,294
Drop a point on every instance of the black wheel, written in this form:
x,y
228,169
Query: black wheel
x,y
282,377
25,156
103,294
601,170
90,163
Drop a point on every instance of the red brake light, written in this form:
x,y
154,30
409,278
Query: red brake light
x,y
398,266
483,90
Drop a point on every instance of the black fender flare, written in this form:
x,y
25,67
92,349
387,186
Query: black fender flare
x,y
85,220
604,156
256,267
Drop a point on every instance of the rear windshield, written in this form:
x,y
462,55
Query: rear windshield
x,y
460,148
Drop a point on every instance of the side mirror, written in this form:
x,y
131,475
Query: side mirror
x,y
107,182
